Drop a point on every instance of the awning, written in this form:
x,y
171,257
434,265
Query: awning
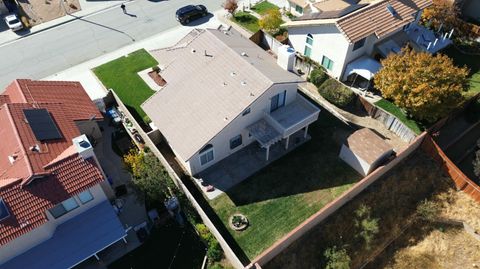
x,y
74,241
364,66
264,133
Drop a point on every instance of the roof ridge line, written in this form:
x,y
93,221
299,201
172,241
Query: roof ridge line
x,y
19,140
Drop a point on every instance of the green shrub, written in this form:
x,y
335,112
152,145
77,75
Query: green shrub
x,y
337,258
336,93
368,227
214,252
146,119
156,68
317,77
428,210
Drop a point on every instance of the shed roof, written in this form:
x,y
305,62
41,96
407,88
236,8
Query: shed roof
x,y
367,145
212,77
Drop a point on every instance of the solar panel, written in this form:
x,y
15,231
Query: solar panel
x,y
3,210
42,124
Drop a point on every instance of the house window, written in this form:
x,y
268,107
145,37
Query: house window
x,y
206,154
308,51
85,196
236,141
246,111
63,208
308,45
327,63
278,101
299,9
359,44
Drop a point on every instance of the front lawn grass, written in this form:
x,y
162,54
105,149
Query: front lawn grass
x,y
472,62
288,191
264,6
247,21
397,112
121,76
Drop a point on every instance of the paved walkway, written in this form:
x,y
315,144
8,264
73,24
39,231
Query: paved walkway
x,y
367,122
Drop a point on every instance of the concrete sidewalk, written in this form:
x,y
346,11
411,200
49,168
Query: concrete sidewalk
x,y
87,8
94,88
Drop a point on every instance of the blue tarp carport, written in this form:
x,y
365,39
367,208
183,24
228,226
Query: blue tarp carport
x,y
74,241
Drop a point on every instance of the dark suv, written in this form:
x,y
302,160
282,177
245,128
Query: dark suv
x,y
188,13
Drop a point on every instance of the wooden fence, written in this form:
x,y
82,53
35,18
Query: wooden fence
x,y
462,182
390,121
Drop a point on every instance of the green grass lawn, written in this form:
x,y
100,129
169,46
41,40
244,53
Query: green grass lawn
x,y
264,6
285,193
397,112
472,62
121,76
246,20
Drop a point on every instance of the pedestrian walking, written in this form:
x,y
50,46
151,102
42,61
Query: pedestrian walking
x,y
123,8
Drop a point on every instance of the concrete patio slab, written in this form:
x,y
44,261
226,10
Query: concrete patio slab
x,y
242,164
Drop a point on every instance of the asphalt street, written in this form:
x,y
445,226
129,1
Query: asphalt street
x,y
48,52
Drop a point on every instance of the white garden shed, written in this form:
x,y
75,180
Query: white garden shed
x,y
364,151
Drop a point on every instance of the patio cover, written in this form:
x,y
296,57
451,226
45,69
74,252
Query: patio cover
x,y
364,66
73,241
264,133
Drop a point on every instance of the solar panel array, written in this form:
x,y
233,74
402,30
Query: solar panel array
x,y
3,210
42,124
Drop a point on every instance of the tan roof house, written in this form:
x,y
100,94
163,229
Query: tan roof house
x,y
223,93
349,37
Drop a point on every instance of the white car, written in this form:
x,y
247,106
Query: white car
x,y
13,22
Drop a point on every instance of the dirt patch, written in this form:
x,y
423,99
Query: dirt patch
x,y
157,78
40,11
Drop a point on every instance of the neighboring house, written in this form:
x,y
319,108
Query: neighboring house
x,y
223,93
54,212
348,38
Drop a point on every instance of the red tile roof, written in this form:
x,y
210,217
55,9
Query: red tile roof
x,y
70,93
64,173
376,19
29,202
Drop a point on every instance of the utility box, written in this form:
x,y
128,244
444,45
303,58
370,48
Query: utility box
x,y
286,57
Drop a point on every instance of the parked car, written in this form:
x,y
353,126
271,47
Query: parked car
x,y
13,22
189,13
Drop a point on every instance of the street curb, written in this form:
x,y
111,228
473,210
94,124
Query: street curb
x,y
73,18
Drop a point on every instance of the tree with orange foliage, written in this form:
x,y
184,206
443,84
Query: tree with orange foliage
x,y
230,6
427,87
446,14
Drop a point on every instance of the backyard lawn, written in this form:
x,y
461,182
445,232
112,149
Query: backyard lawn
x,y
472,62
264,6
246,20
284,194
121,76
397,112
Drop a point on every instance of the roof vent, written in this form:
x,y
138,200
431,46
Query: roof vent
x,y
24,223
193,50
3,210
224,84
392,11
243,83
12,158
252,94
35,148
225,119
233,74
244,54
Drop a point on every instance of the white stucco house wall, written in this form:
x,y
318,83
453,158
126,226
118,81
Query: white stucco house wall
x,y
223,93
360,33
